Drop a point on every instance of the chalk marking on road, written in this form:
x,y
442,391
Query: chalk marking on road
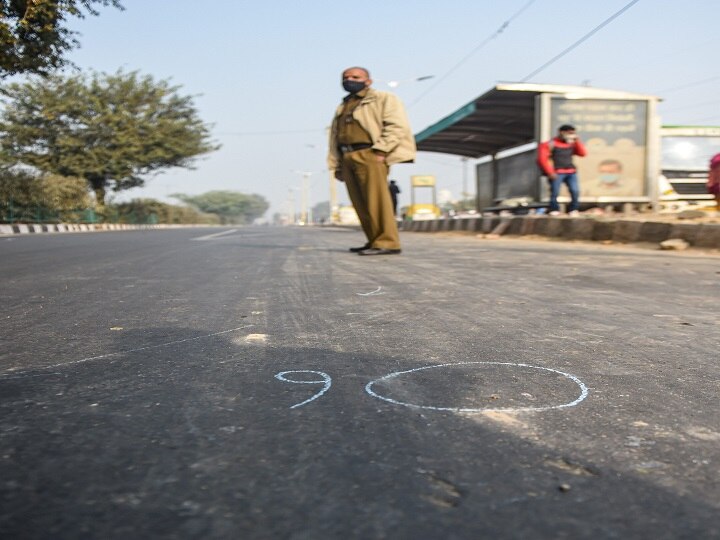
x,y
118,353
326,382
583,390
216,235
23,375
256,338
371,293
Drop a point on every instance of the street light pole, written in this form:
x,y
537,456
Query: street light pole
x,y
465,177
305,212
334,208
293,216
306,187
395,84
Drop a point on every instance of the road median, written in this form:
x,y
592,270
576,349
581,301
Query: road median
x,y
702,233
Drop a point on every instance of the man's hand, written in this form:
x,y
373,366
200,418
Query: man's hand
x,y
379,156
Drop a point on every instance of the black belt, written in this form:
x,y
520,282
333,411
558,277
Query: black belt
x,y
345,148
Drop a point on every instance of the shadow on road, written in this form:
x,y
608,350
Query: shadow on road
x,y
196,439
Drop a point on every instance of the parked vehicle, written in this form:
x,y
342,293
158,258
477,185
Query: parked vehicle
x,y
686,152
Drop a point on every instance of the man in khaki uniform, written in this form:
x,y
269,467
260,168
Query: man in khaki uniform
x,y
370,132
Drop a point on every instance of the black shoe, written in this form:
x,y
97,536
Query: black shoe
x,y
359,249
380,251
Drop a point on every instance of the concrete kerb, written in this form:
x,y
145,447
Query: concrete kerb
x,y
684,231
514,226
520,226
708,235
625,232
37,228
468,224
554,227
489,223
703,235
541,227
603,231
652,231
579,229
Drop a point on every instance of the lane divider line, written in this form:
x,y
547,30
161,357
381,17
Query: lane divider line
x,y
216,235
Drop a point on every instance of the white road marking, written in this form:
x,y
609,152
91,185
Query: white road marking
x,y
211,236
118,353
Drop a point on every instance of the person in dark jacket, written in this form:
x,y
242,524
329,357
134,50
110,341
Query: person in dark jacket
x,y
394,191
562,170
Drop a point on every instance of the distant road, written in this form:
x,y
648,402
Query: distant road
x,y
265,383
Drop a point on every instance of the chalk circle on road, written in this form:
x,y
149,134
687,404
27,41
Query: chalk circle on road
x,y
565,379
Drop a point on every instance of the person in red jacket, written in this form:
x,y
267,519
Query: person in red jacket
x,y
560,151
713,183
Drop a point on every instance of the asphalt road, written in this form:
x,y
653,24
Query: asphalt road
x,y
265,383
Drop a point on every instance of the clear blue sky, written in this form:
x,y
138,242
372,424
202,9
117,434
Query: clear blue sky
x,y
267,74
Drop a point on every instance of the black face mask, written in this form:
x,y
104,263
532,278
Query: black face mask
x,y
353,86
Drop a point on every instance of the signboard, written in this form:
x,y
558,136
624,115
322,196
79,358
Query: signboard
x,y
423,181
615,135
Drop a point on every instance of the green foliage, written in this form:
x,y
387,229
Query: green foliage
x,y
28,197
33,37
465,205
25,196
321,211
64,193
57,193
112,130
230,206
152,211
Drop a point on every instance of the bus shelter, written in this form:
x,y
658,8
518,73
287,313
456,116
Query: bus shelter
x,y
503,126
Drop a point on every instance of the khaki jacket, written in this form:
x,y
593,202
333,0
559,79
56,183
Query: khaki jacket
x,y
383,116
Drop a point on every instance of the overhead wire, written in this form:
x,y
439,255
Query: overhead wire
x,y
689,85
245,133
691,106
703,119
662,59
580,41
477,48
472,52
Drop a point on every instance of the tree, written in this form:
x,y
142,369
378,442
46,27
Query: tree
x,y
152,211
230,206
321,211
52,192
33,38
28,196
112,130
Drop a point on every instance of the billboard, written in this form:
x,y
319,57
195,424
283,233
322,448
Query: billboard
x,y
615,134
422,181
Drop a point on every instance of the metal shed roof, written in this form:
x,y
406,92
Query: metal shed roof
x,y
501,118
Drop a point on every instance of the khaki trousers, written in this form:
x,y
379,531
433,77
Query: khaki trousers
x,y
366,181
